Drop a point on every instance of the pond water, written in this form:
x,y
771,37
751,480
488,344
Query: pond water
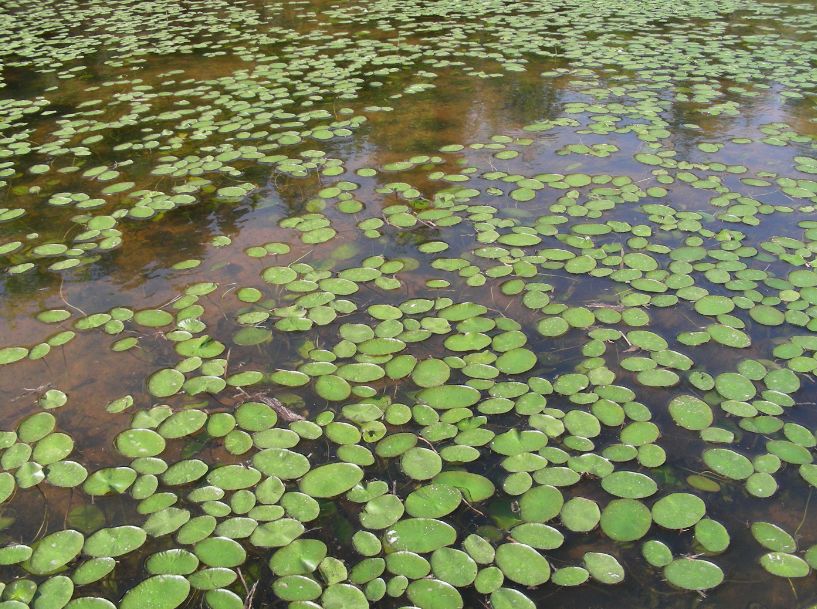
x,y
432,304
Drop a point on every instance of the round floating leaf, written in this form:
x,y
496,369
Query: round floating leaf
x,y
433,501
446,397
538,535
714,305
570,576
454,567
541,503
508,598
277,534
9,355
382,512
690,412
629,485
728,336
93,570
54,447
712,535
728,463
333,388
220,552
516,361
419,535
54,593
280,462
66,474
114,541
678,510
140,443
580,514
345,596
36,427
522,564
152,318
657,553
474,487
331,480
693,574
773,537
54,551
421,463
175,561
784,565
735,386
157,592
431,373
604,568
14,554
220,598
434,594
165,383
625,520
166,521
766,315
235,477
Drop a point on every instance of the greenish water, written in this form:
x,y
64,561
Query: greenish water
x,y
420,304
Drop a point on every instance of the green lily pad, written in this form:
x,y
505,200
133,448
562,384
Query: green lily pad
x,y
678,511
784,565
344,596
773,537
522,564
140,443
157,592
630,485
690,412
516,361
431,373
165,383
509,598
580,514
733,386
220,552
419,535
115,541
728,463
434,594
604,568
331,480
693,574
625,520
711,535
54,551
421,463
445,397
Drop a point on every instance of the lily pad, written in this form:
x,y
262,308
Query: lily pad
x,y
331,480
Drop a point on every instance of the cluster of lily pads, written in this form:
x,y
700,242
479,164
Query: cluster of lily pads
x,y
463,372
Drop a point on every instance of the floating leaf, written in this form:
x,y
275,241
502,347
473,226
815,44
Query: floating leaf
x,y
157,592
419,535
115,541
693,574
331,480
522,564
54,551
678,510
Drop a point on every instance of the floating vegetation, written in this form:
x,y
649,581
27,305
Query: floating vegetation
x,y
423,304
